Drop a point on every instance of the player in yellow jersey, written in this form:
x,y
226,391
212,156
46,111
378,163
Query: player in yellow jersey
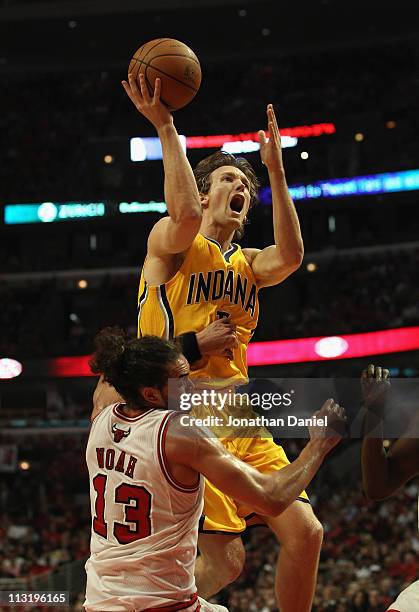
x,y
194,273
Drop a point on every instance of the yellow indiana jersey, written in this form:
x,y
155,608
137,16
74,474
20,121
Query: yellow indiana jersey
x,y
209,284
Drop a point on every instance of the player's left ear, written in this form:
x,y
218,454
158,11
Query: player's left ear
x,y
204,198
151,395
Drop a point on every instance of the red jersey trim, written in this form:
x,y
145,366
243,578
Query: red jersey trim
x,y
183,605
122,416
161,441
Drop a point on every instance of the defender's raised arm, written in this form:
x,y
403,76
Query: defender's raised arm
x,y
270,494
383,473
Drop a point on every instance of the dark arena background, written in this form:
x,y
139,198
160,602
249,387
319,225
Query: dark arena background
x,y
76,210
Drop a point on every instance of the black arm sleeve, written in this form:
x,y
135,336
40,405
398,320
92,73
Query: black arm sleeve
x,y
189,346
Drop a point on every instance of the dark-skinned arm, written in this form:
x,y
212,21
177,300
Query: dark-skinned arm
x,y
384,473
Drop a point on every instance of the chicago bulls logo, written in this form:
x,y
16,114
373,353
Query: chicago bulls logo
x,y
119,432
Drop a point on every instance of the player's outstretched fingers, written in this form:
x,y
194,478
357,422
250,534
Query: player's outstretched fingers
x,y
144,89
272,119
326,410
336,420
262,137
128,90
133,86
386,374
327,405
342,413
370,370
157,91
378,373
271,129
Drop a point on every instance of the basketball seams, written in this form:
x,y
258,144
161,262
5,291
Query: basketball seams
x,y
176,55
140,60
167,74
150,88
159,42
138,64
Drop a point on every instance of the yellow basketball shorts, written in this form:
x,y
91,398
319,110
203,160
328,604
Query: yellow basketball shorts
x,y
221,513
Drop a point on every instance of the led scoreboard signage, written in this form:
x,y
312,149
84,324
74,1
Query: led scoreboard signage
x,y
50,212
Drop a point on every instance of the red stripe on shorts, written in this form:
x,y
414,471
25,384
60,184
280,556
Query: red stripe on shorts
x,y
178,606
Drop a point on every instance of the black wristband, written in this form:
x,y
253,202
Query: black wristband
x,y
189,346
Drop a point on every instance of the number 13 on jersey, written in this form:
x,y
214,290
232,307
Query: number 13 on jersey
x,y
137,514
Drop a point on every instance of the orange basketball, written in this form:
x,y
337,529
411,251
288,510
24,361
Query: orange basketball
x,y
175,64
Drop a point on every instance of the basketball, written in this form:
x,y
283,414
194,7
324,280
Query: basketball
x,y
175,64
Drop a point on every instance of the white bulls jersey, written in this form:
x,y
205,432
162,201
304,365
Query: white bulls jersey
x,y
408,600
144,523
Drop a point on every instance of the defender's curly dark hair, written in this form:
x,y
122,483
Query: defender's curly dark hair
x,y
129,363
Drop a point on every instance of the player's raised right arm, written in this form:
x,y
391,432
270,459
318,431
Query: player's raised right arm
x,y
173,234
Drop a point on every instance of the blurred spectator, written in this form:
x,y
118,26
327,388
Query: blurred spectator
x,y
369,552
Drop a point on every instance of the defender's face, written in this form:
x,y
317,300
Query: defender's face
x,y
178,374
179,382
228,199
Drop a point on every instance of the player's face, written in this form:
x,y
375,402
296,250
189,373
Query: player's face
x,y
179,382
228,199
168,396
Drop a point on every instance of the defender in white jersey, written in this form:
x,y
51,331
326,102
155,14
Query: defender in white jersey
x,y
145,524
383,473
146,486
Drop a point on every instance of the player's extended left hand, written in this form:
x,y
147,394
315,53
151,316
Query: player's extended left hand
x,y
375,386
270,148
148,105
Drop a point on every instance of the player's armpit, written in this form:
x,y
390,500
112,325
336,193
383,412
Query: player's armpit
x,y
269,266
170,237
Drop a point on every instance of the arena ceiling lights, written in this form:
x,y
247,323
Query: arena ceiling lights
x,y
147,149
9,368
